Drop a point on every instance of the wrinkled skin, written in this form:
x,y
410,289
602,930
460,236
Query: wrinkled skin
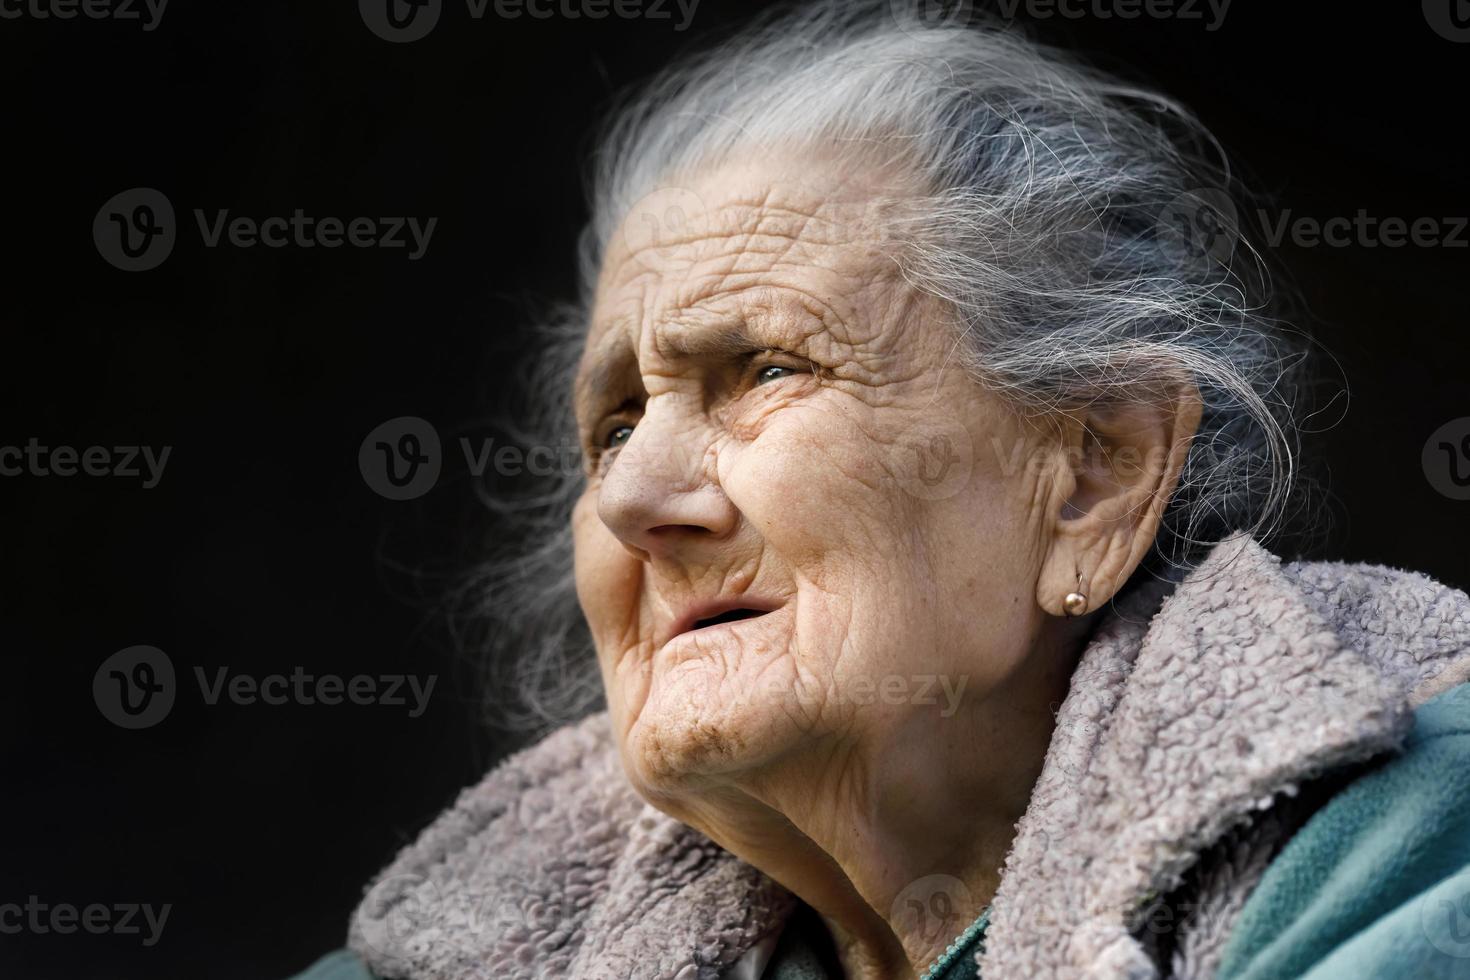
x,y
775,417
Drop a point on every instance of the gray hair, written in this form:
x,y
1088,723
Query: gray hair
x,y
1043,194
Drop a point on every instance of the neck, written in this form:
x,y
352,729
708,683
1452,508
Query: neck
x,y
898,846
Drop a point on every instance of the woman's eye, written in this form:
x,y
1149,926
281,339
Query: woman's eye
x,y
617,437
773,372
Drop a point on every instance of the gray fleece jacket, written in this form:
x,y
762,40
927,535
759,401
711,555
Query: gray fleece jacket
x,y
1196,716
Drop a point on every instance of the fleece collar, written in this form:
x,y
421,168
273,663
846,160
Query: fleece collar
x,y
1175,731
1188,714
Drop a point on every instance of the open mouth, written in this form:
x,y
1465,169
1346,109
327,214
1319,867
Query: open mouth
x,y
707,615
730,616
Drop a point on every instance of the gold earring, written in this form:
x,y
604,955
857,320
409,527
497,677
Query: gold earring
x,y
1075,604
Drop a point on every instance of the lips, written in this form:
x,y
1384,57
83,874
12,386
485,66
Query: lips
x,y
718,612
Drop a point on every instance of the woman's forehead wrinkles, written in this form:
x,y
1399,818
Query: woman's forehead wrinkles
x,y
621,348
778,223
735,321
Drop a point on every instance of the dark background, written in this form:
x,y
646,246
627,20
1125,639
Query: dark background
x,y
262,549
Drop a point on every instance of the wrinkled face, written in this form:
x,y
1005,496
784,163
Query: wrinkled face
x,y
805,524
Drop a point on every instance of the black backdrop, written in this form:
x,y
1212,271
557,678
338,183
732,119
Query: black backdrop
x,y
261,548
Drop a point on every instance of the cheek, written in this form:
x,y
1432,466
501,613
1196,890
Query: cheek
x,y
608,578
916,526
988,555
828,500
609,589
819,489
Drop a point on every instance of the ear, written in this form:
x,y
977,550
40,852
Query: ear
x,y
1118,464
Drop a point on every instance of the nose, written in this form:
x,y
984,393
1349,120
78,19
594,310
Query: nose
x,y
661,495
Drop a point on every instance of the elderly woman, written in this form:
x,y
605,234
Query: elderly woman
x,y
930,444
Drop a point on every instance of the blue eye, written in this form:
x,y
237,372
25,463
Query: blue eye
x,y
619,435
773,372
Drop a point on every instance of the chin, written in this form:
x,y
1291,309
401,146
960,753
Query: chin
x,y
703,724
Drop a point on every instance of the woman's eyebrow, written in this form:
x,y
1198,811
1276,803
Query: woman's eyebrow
x,y
606,370
612,364
764,322
706,339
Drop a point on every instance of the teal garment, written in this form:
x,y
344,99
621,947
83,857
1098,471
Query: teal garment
x,y
805,952
959,961
1377,882
341,965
